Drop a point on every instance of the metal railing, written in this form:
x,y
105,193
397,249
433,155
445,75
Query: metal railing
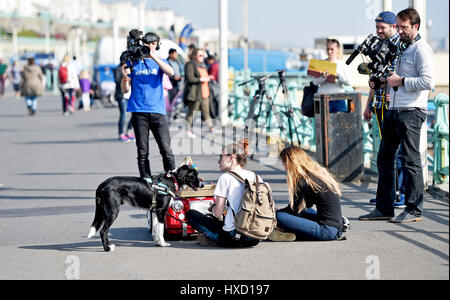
x,y
241,97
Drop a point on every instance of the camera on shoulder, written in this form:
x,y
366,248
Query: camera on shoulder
x,y
382,54
136,50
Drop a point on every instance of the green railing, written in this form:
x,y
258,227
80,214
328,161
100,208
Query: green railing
x,y
241,97
439,135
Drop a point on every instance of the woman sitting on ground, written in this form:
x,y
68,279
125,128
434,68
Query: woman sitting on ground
x,y
309,184
229,191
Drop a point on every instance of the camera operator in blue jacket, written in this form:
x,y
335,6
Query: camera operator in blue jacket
x,y
145,78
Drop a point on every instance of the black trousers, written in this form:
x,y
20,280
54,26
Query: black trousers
x,y
143,123
401,128
213,229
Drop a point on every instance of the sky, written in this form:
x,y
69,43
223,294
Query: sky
x,y
295,23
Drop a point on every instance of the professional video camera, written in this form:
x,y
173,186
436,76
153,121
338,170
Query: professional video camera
x,y
135,50
382,54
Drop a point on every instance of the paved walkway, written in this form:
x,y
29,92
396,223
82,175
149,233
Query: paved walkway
x,y
50,166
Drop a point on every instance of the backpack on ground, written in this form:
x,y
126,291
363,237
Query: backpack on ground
x,y
256,216
63,74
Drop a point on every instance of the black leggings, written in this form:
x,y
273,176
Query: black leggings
x,y
142,124
213,229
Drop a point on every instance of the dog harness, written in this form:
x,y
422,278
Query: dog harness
x,y
161,189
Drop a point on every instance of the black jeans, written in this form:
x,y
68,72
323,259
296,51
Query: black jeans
x,y
142,124
213,229
401,128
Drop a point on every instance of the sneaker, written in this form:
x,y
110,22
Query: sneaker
x,y
405,217
375,215
346,225
401,202
131,137
281,236
124,138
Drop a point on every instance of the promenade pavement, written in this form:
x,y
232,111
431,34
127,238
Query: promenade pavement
x,y
51,165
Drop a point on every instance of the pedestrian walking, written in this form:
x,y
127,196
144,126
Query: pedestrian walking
x,y
16,71
196,92
31,85
125,132
68,85
85,87
3,76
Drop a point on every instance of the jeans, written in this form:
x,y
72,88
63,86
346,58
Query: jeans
x,y
31,102
401,128
68,99
123,115
142,124
338,105
213,229
401,186
306,227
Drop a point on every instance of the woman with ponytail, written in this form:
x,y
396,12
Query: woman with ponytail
x,y
309,184
228,192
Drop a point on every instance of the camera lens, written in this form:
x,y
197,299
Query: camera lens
x,y
145,51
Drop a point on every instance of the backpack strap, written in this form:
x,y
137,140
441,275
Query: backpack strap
x,y
237,176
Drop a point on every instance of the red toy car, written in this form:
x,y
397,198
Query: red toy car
x,y
175,222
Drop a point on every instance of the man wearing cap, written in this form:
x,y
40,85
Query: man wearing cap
x,y
410,86
147,104
378,101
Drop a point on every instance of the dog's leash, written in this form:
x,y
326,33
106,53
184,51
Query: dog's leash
x,y
168,214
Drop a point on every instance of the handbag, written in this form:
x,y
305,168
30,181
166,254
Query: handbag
x,y
308,100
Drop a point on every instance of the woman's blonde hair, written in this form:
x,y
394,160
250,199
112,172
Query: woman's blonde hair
x,y
300,166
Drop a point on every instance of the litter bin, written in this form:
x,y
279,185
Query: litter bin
x,y
339,141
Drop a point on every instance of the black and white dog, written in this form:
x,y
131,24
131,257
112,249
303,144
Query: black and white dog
x,y
138,192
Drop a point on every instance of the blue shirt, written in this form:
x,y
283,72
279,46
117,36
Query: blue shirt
x,y
147,94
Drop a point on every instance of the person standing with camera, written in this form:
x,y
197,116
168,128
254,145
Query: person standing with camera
x,y
144,76
378,101
410,86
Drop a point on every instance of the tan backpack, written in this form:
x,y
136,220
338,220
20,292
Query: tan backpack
x,y
256,215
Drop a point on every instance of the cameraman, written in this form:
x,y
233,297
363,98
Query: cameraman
x,y
378,102
379,98
410,86
147,104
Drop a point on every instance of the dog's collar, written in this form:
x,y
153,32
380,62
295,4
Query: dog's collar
x,y
175,182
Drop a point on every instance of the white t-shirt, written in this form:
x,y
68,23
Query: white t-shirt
x,y
232,189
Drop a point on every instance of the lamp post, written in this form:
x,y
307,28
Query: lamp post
x,y
15,23
223,72
245,31
421,7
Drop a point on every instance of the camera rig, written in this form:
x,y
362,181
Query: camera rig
x,y
382,54
135,48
